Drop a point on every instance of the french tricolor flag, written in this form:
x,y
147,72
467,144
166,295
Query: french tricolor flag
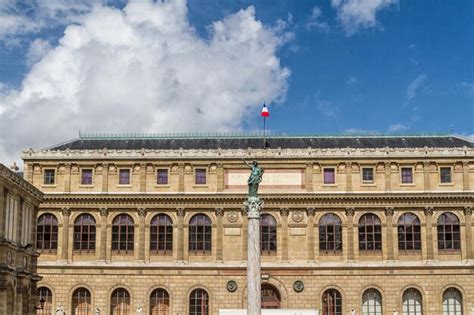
x,y
265,112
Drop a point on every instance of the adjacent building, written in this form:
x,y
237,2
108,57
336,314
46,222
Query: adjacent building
x,y
19,202
154,224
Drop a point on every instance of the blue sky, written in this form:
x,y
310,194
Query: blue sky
x,y
325,67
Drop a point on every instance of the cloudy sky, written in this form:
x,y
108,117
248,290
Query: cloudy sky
x,y
323,67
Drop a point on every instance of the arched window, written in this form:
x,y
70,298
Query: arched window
x,y
409,232
44,294
159,302
81,302
270,297
452,302
123,233
268,235
330,233
161,235
371,302
200,235
449,232
370,233
120,302
47,233
199,302
412,302
332,302
84,234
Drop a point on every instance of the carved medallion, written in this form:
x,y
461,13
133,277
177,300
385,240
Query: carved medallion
x,y
232,216
231,286
298,286
297,216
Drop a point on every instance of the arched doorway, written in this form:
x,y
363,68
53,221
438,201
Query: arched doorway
x,y
271,298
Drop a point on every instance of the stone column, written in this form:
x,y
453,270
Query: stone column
x,y
219,235
245,223
103,234
253,205
180,241
310,218
284,234
65,235
468,242
429,233
390,245
350,233
141,235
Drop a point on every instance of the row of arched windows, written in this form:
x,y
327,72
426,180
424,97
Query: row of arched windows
x,y
200,233
331,302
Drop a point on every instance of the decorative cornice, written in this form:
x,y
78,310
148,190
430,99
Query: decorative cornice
x,y
308,200
17,181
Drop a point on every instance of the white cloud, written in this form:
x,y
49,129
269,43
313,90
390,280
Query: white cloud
x,y
351,80
398,128
314,20
38,49
414,86
359,14
144,69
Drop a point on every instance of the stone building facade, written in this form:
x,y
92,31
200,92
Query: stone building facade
x,y
155,224
19,202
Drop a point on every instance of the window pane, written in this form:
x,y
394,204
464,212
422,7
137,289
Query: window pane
x,y
329,176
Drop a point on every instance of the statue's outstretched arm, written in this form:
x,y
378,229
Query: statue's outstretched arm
x,y
246,163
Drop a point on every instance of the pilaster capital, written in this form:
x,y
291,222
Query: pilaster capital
x,y
350,211
66,211
284,212
180,212
219,212
310,212
468,210
389,211
429,211
104,212
142,212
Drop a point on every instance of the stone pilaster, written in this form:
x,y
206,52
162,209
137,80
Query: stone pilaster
x,y
426,175
67,177
105,177
104,212
468,242
350,233
181,177
465,175
180,238
310,212
429,233
66,212
3,202
284,234
348,176
389,211
388,177
309,177
220,235
142,177
141,235
220,177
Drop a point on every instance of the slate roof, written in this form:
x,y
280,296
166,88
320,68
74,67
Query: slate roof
x,y
123,142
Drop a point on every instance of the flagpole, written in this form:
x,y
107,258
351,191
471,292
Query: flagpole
x,y
264,136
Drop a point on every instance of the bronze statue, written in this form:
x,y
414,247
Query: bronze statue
x,y
255,178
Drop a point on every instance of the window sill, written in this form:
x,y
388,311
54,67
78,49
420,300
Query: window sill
x,y
446,184
200,186
86,185
324,253
407,184
200,254
124,185
329,185
78,252
116,252
162,186
49,185
449,252
372,184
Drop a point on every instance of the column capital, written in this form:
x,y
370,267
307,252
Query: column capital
x,y
219,212
284,212
66,211
350,211
389,211
468,210
180,212
310,211
142,212
429,211
104,212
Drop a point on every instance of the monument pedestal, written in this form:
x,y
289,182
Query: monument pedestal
x,y
253,206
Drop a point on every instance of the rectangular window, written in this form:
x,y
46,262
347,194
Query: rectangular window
x,y
407,175
49,177
200,174
367,175
445,175
86,177
329,176
124,177
162,177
